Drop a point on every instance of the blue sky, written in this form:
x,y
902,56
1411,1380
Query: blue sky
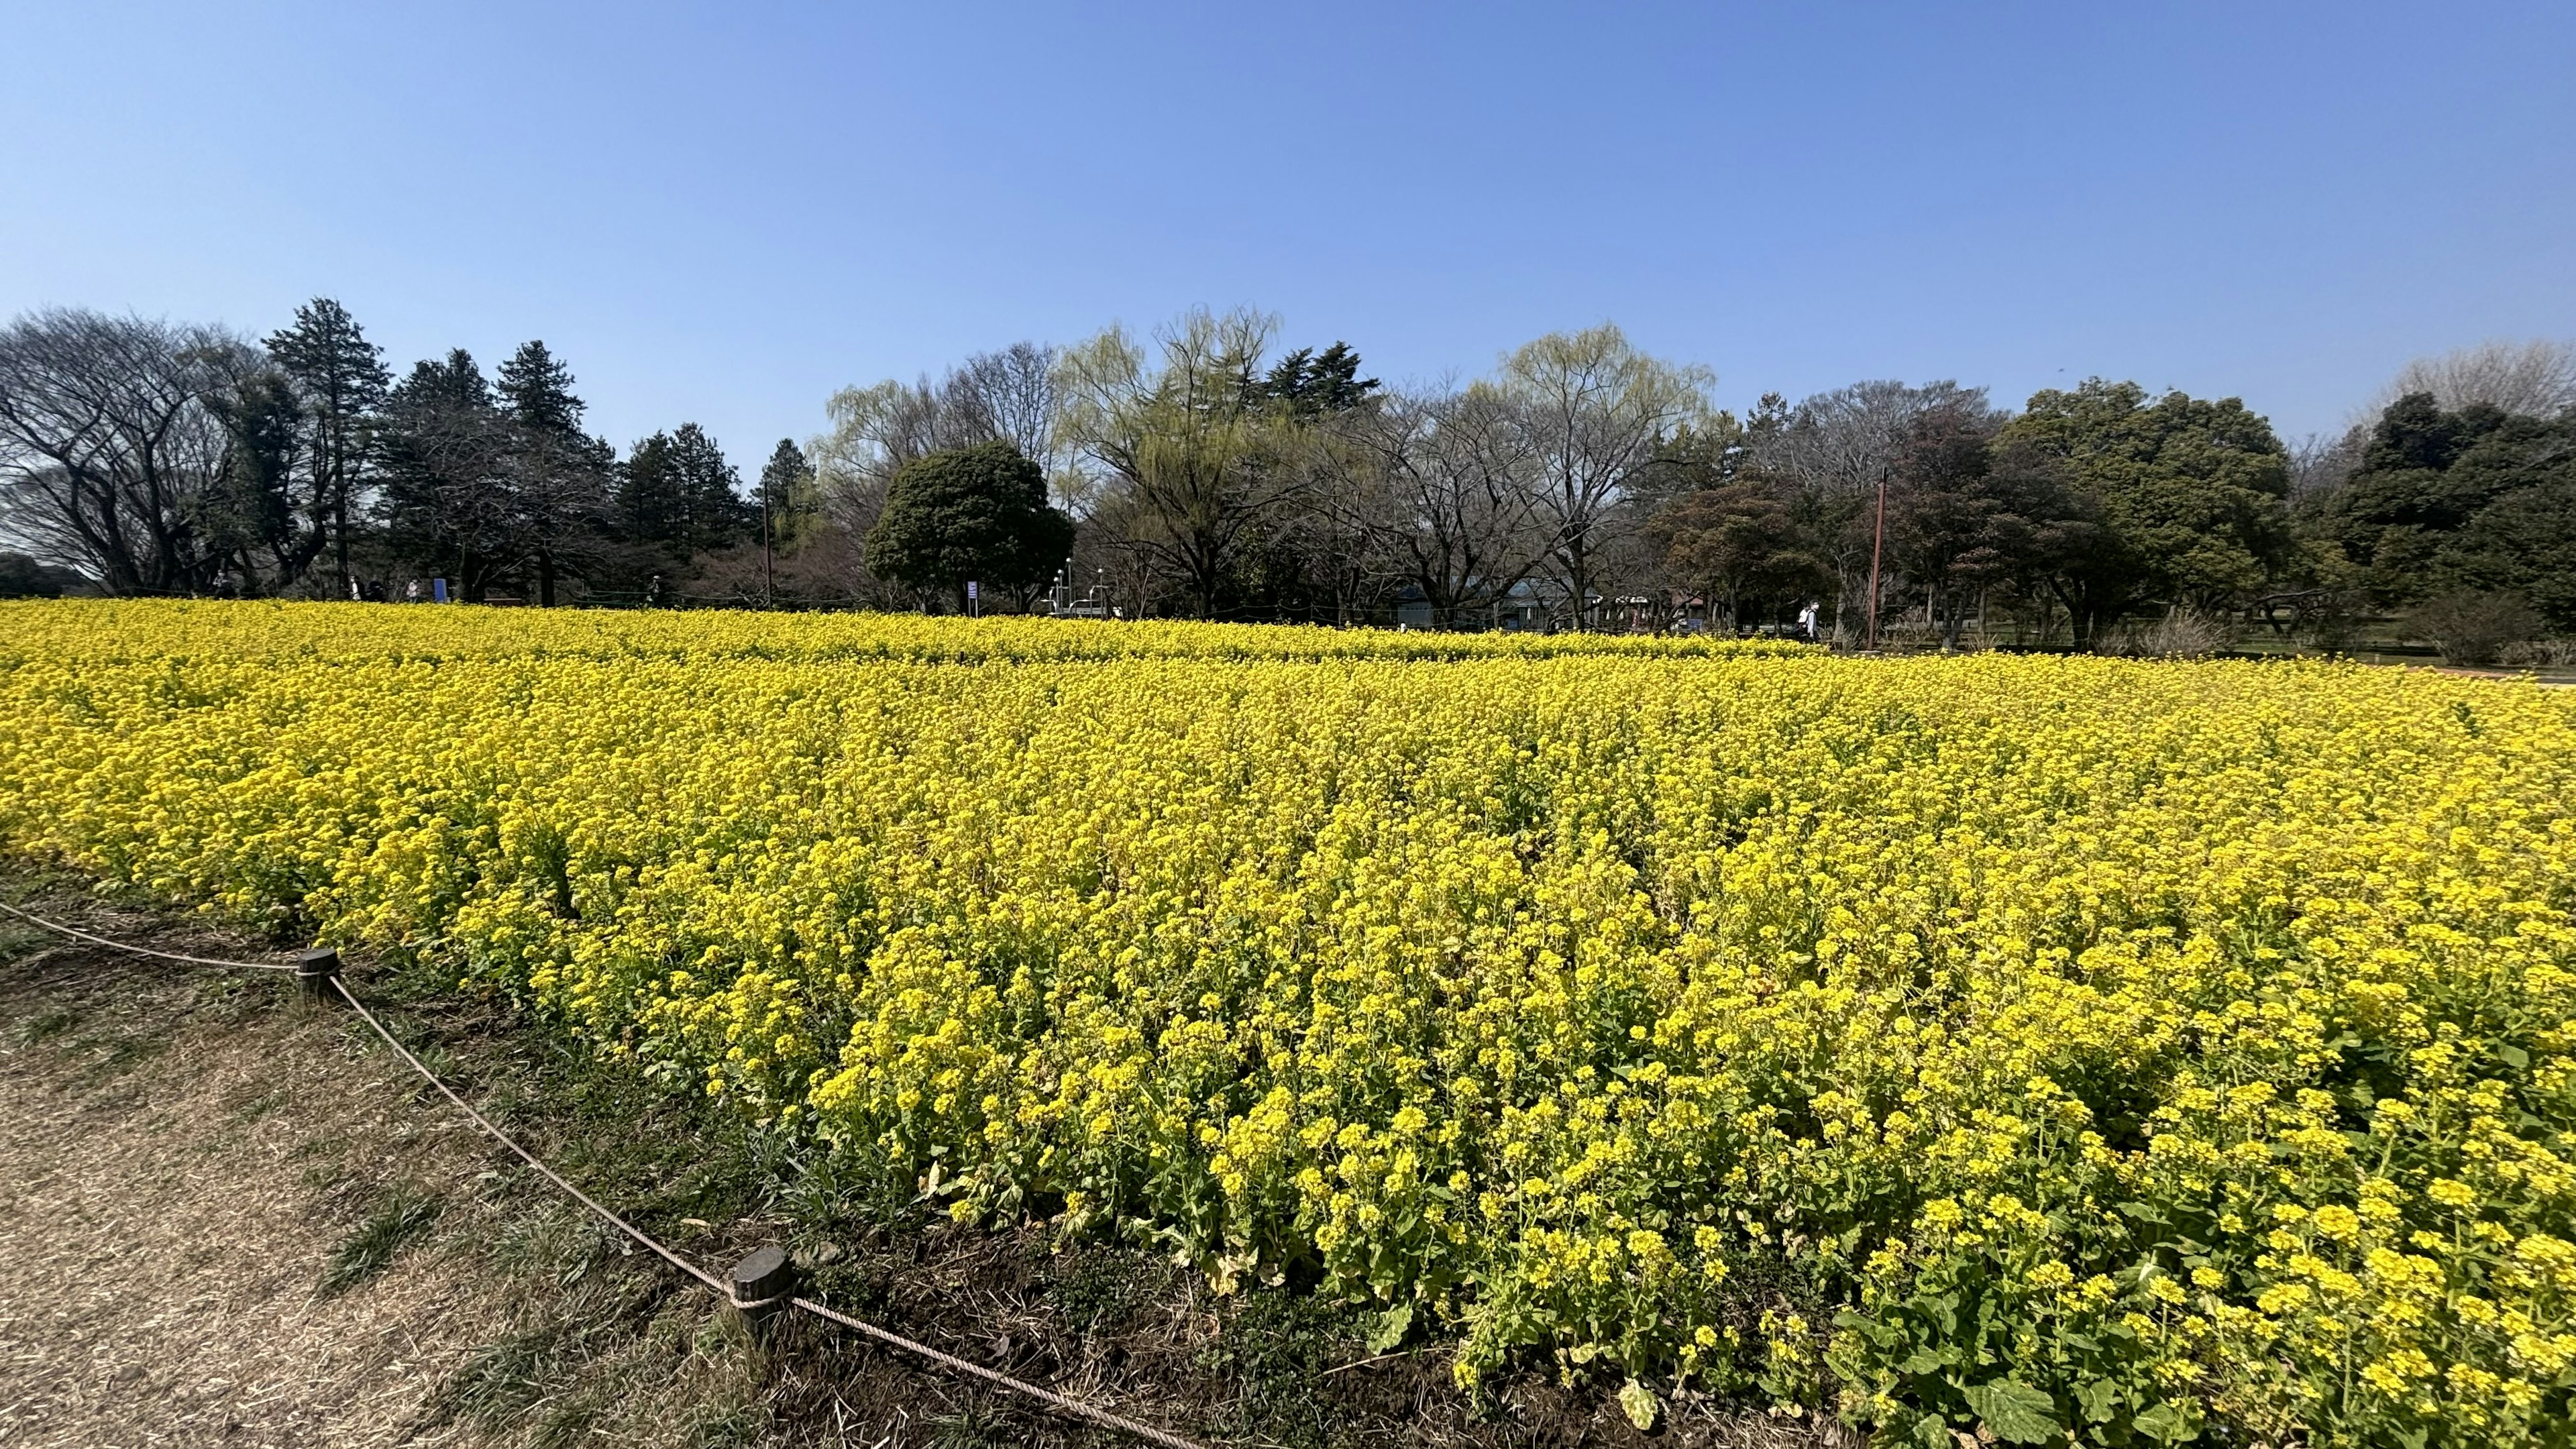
x,y
722,213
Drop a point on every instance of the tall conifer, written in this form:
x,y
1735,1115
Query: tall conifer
x,y
341,380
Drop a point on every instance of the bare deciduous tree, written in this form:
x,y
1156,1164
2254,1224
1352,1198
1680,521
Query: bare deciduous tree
x,y
1006,396
1443,484
1202,458
111,457
2537,379
1597,411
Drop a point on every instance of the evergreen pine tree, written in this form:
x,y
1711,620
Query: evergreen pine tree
x,y
443,445
561,481
710,489
1313,383
651,506
786,483
455,381
538,388
341,379
1333,381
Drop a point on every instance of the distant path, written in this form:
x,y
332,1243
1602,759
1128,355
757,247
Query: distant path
x,y
178,1161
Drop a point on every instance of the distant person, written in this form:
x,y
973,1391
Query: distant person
x,y
411,592
1807,623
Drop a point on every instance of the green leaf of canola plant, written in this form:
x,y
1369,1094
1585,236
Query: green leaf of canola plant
x,y
2167,1422
1639,1401
1392,1326
2018,1413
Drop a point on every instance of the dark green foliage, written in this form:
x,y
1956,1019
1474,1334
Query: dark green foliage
x,y
978,513
537,386
678,492
2523,543
1737,545
651,508
1965,517
442,445
251,511
22,577
2187,497
2478,499
492,488
456,381
786,480
340,381
397,1221
559,476
1315,383
1276,1348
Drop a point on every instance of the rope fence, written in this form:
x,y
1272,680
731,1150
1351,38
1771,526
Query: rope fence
x,y
762,1282
81,935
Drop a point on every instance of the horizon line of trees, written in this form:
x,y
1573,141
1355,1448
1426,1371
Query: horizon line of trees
x,y
145,457
1204,470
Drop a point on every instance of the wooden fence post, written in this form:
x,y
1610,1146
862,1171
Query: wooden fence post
x,y
763,1282
315,970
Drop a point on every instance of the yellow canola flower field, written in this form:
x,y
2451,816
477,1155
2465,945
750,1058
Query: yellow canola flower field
x,y
2142,1051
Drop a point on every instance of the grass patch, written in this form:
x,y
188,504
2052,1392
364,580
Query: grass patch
x,y
976,1426
399,1219
45,1027
1275,1349
501,1380
1101,1287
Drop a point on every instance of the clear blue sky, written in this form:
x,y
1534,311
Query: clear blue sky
x,y
723,213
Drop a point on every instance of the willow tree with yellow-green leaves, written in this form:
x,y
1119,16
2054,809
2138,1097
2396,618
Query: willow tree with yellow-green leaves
x,y
2136,1050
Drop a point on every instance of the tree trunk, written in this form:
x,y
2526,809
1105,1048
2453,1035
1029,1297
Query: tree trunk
x,y
340,508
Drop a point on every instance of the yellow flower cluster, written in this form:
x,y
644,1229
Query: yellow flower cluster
x,y
2053,1044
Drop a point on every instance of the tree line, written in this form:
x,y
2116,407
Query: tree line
x,y
143,457
1205,470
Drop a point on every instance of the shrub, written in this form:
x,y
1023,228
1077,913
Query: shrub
x,y
2538,654
2183,633
2471,628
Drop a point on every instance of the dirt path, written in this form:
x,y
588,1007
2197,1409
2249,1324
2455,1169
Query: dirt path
x,y
181,1159
231,1218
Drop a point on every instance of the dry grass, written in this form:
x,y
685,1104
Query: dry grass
x,y
179,1160
235,1219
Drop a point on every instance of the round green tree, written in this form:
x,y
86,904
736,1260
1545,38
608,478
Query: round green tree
x,y
978,513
